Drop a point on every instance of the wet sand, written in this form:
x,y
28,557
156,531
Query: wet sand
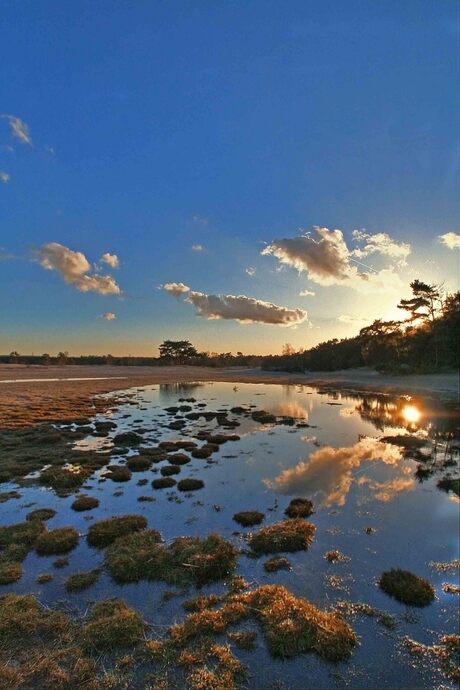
x,y
26,402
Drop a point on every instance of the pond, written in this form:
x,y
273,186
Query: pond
x,y
376,502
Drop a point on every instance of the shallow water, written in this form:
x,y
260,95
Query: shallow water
x,y
368,505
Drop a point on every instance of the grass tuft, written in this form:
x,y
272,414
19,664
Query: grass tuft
x,y
77,582
57,541
82,503
406,587
104,532
248,518
299,508
288,535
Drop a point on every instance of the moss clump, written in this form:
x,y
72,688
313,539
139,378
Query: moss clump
x,y
23,533
288,535
10,571
44,578
187,560
299,508
61,562
139,463
112,624
201,453
169,470
41,514
57,541
247,518
82,503
178,459
63,479
277,563
163,483
406,587
190,484
119,473
77,582
103,533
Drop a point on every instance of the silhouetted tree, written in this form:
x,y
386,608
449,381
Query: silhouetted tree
x,y
177,351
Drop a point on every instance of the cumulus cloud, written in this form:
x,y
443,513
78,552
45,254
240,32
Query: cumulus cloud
x,y
108,316
111,260
450,239
307,293
244,309
74,268
19,129
197,248
175,289
4,177
327,260
381,243
329,471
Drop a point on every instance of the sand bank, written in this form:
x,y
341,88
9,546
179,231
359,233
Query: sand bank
x,y
40,393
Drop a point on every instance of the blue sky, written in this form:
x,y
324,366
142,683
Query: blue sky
x,y
155,127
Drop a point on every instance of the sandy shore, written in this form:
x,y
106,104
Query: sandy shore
x,y
27,401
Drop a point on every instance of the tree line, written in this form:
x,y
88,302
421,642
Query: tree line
x,y
426,340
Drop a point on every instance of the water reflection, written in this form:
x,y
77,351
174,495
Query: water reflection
x,y
331,472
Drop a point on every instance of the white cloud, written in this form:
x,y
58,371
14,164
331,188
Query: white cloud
x,y
108,316
450,239
201,220
74,268
111,260
197,248
4,177
251,271
175,289
381,243
325,259
348,318
244,309
19,129
328,261
307,293
329,471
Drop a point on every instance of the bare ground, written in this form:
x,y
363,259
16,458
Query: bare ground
x,y
25,402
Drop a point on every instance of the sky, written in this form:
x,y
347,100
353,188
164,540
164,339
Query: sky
x,y
239,174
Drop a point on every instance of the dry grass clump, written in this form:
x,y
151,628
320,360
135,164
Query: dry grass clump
x,y
247,518
357,608
201,453
178,459
57,541
244,639
139,463
445,654
291,625
41,514
104,532
406,587
112,624
44,578
288,535
82,503
21,533
201,602
119,473
62,479
335,556
187,560
190,484
299,508
277,563
77,582
450,588
163,483
24,621
10,571
169,470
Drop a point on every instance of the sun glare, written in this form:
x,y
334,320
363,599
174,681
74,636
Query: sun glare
x,y
411,414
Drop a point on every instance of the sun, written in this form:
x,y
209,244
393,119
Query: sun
x,y
411,414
